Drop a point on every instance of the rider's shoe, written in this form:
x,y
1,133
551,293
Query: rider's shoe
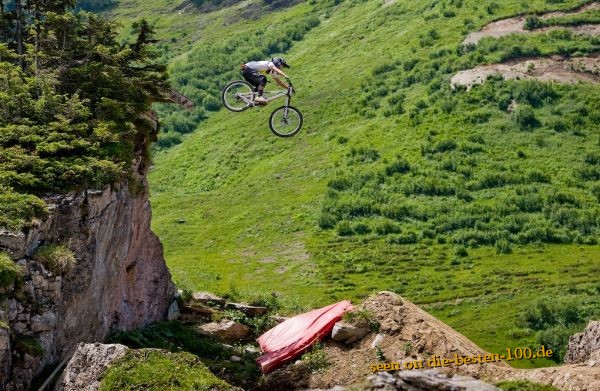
x,y
259,100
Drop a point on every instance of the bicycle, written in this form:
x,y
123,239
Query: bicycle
x,y
285,121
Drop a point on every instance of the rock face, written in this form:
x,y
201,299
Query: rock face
x,y
585,347
120,280
87,365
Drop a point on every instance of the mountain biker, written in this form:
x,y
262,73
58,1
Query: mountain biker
x,y
254,72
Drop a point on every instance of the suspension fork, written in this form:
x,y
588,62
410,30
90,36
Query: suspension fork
x,y
287,104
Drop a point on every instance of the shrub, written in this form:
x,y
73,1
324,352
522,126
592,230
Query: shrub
x,y
386,228
461,252
399,165
363,155
327,221
405,238
344,228
525,118
533,22
57,258
169,139
361,228
29,345
9,270
315,359
503,246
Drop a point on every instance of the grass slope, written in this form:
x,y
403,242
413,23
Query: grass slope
x,y
235,206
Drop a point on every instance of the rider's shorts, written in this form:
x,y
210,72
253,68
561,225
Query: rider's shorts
x,y
253,77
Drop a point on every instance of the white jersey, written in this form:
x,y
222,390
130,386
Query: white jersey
x,y
261,66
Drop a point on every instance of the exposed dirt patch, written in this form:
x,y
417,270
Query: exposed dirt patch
x,y
516,24
407,334
556,68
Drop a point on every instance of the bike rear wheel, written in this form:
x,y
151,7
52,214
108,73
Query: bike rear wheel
x,y
286,121
237,96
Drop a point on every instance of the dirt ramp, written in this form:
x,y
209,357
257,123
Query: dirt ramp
x,y
407,333
556,68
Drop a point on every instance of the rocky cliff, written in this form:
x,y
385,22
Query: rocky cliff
x,y
119,279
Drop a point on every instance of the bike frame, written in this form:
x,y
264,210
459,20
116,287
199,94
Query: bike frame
x,y
249,98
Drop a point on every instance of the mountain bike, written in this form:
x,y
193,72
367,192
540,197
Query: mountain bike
x,y
285,121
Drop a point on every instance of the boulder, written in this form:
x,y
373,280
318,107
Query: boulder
x,y
84,370
45,322
207,298
198,309
418,380
247,309
344,332
226,331
584,347
426,380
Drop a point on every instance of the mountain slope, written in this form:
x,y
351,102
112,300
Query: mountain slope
x,y
477,203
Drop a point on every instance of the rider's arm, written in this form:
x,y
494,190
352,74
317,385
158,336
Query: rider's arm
x,y
277,70
278,81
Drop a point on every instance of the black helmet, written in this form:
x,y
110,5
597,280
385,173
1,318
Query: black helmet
x,y
280,62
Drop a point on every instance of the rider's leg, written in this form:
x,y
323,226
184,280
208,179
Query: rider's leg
x,y
261,85
261,89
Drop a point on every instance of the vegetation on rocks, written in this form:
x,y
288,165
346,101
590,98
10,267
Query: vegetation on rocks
x,y
9,270
57,258
70,98
160,370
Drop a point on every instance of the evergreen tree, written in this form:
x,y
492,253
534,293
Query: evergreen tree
x,y
70,100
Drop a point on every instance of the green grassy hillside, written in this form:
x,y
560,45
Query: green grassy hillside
x,y
485,213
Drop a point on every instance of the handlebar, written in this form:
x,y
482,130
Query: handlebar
x,y
290,85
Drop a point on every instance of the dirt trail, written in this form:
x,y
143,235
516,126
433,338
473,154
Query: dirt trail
x,y
555,68
516,24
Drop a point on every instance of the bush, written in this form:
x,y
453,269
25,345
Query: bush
x,y
57,258
386,228
533,22
406,238
9,271
169,139
525,118
315,359
327,221
399,165
344,228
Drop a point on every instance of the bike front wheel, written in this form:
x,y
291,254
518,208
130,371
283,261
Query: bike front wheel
x,y
286,121
237,96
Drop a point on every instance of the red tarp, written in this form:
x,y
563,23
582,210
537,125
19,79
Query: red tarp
x,y
294,336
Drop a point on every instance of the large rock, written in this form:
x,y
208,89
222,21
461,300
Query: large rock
x,y
207,298
426,380
226,331
418,380
585,347
344,332
84,370
45,322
